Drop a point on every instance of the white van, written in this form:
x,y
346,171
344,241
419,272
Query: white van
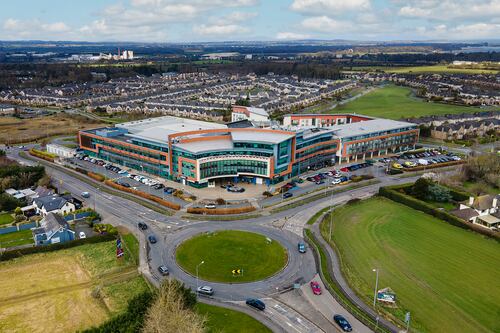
x,y
423,162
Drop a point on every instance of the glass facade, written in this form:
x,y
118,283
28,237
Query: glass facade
x,y
232,167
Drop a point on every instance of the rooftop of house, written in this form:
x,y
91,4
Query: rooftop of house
x,y
50,224
464,214
52,202
484,202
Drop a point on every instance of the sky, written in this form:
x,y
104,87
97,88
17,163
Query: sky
x,y
240,20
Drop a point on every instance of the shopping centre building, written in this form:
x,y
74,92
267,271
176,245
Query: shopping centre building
x,y
200,153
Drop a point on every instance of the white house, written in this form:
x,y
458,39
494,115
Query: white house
x,y
482,210
249,113
54,204
61,151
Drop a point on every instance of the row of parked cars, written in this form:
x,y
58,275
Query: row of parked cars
x,y
425,158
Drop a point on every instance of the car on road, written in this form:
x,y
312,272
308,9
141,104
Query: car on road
x,y
210,206
152,239
205,290
142,226
343,323
287,195
301,247
336,181
163,270
315,287
86,194
256,303
168,190
82,235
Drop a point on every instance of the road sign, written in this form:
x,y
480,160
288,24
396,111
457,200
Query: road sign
x,y
407,317
237,271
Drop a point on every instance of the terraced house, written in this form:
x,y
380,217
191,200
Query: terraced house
x,y
200,153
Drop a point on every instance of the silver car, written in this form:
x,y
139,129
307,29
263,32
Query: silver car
x,y
205,290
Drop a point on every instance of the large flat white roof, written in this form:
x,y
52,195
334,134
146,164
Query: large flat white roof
x,y
368,126
158,129
261,136
196,147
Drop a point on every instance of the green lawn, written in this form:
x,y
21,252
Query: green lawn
x,y
224,251
396,102
222,320
16,238
131,243
427,69
487,189
446,276
6,218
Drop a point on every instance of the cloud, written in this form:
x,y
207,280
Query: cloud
x,y
450,9
34,29
462,31
325,24
291,35
333,7
219,29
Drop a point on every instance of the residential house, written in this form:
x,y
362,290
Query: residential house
x,y
54,204
482,210
53,229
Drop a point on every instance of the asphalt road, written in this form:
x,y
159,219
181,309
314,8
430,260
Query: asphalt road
x,y
170,231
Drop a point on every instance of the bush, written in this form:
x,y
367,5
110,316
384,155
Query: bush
x,y
151,197
96,176
433,166
267,194
105,229
220,201
9,203
42,154
220,211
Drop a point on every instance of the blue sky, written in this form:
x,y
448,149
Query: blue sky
x,y
218,20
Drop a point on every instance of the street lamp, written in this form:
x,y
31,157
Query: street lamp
x,y
197,266
376,287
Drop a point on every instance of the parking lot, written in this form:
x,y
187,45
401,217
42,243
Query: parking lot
x,y
423,158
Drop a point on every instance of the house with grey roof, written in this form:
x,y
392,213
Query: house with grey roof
x,y
53,229
482,210
53,204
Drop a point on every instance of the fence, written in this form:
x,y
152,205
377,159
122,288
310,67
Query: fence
x,y
77,216
18,227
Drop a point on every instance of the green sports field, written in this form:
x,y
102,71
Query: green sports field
x,y
444,69
395,102
447,277
224,251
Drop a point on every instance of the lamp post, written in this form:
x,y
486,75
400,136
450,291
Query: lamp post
x,y
197,267
376,287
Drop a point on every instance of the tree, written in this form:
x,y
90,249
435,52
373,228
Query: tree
x,y
18,211
420,189
438,193
169,312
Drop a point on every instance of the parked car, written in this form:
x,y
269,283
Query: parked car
x,y
336,181
82,235
315,287
343,323
142,226
163,270
168,190
210,206
256,303
86,194
319,182
152,239
301,247
287,195
205,290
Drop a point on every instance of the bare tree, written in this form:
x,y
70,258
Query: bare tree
x,y
169,314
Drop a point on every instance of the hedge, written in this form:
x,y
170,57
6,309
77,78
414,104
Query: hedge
x,y
433,166
143,195
96,176
42,154
220,211
7,255
392,193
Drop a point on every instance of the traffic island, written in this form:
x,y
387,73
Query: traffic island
x,y
231,256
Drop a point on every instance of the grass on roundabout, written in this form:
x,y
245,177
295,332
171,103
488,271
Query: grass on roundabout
x,y
225,250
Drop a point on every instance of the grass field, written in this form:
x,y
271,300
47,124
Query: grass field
x,y
396,102
66,290
446,276
6,218
16,238
224,251
14,130
222,320
429,69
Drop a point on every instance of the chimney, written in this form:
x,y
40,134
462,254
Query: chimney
x,y
495,202
471,201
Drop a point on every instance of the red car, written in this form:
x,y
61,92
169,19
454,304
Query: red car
x,y
315,287
344,169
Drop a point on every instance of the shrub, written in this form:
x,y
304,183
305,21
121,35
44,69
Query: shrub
x,y
96,176
220,211
220,201
42,154
105,229
267,194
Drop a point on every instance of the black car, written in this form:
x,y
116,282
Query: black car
x,y
124,184
343,323
256,303
152,239
287,195
142,226
168,190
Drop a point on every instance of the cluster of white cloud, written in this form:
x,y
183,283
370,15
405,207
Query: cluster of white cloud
x,y
162,20
426,19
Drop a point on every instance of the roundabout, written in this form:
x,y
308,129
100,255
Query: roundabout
x,y
231,256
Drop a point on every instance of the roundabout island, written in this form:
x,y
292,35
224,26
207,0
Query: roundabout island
x,y
231,256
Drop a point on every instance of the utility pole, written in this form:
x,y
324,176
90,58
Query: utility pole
x,y
376,287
